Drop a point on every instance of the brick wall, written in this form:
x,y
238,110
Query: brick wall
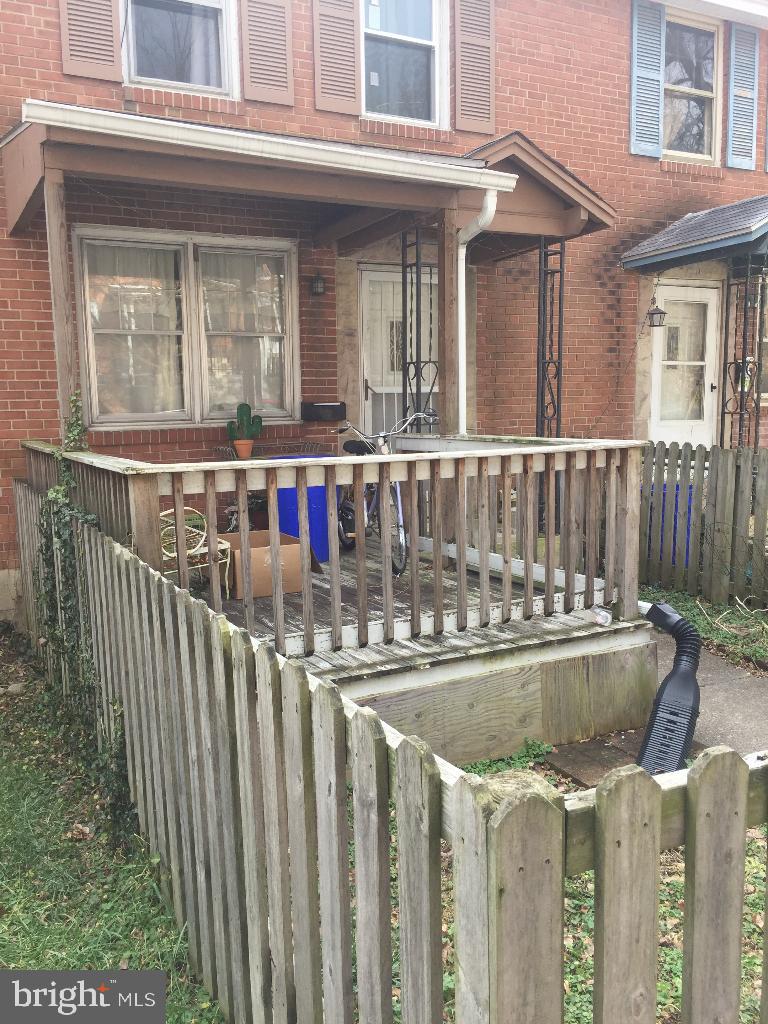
x,y
563,77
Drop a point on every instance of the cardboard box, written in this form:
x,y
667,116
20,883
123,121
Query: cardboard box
x,y
261,564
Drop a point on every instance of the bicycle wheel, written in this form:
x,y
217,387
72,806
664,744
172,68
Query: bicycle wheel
x,y
399,542
347,525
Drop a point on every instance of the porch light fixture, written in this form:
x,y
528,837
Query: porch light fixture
x,y
655,315
317,284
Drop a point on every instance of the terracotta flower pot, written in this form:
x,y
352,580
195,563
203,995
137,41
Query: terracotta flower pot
x,y
244,448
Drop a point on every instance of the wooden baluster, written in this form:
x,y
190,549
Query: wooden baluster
x,y
181,530
360,555
307,603
484,541
145,517
436,519
550,524
506,538
611,483
530,533
278,607
245,550
212,515
568,529
592,529
334,568
385,521
649,452
461,544
627,532
413,538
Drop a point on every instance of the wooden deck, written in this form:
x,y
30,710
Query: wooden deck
x,y
401,587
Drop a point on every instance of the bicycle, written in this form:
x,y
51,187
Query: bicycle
x,y
377,444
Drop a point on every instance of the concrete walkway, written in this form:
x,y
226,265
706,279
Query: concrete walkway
x,y
734,702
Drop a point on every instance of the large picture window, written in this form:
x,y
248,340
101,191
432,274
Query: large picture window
x,y
401,59
184,329
183,42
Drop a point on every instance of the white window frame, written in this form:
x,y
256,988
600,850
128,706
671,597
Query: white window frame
x,y
440,67
708,25
195,372
230,65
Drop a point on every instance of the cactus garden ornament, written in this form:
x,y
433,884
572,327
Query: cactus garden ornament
x,y
244,430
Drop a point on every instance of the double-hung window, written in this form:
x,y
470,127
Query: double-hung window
x,y
183,42
401,59
183,329
690,80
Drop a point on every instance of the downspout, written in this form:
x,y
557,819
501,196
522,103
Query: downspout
x,y
465,235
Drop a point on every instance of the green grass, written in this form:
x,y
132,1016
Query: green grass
x,y
740,636
531,754
69,903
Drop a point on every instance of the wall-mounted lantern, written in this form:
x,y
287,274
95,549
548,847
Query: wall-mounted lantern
x,y
655,315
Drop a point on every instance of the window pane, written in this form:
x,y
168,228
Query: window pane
x,y
134,288
398,79
690,57
688,124
682,392
685,331
243,292
401,17
177,42
139,374
245,369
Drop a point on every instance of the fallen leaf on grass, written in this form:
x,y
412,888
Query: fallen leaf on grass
x,y
79,833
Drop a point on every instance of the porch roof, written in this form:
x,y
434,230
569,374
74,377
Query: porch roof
x,y
537,197
706,234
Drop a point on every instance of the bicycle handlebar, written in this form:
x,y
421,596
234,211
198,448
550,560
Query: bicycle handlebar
x,y
400,427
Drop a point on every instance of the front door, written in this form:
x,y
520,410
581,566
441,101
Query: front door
x,y
684,399
381,313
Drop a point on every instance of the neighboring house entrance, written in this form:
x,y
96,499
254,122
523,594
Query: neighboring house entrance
x,y
381,313
684,377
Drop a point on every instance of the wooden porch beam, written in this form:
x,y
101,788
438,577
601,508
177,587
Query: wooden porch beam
x,y
198,172
23,178
62,304
382,230
349,224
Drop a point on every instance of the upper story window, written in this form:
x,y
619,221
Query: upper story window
x,y
690,81
401,59
184,42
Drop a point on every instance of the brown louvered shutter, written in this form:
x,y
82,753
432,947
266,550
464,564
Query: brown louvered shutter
x,y
475,66
267,50
90,38
337,56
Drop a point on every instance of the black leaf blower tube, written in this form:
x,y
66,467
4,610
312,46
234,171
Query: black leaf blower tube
x,y
669,734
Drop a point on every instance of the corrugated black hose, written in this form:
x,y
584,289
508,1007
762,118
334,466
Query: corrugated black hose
x,y
669,734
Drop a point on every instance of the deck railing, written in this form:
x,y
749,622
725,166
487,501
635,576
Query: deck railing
x,y
495,532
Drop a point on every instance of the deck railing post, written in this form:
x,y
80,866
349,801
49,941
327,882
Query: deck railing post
x,y
627,532
144,504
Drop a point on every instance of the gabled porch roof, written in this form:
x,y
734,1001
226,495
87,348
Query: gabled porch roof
x,y
537,197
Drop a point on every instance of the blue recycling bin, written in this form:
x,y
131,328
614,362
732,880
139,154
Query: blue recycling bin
x,y
288,513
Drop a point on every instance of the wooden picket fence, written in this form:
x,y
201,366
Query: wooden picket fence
x,y
703,518
314,854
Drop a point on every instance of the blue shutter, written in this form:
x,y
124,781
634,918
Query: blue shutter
x,y
742,98
647,116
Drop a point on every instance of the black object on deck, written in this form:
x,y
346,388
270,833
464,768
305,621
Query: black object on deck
x,y
669,734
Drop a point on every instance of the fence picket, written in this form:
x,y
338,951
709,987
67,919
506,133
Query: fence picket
x,y
709,517
140,678
715,830
683,516
722,543
627,836
742,513
330,757
251,784
758,539
657,504
269,698
670,492
417,811
302,836
525,896
373,933
649,452
697,524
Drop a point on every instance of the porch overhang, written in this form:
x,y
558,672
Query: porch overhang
x,y
714,234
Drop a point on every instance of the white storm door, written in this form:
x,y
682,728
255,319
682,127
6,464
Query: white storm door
x,y
382,327
684,378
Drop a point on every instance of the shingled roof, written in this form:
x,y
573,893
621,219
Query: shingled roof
x,y
703,235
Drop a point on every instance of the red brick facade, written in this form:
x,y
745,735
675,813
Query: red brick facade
x,y
562,77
